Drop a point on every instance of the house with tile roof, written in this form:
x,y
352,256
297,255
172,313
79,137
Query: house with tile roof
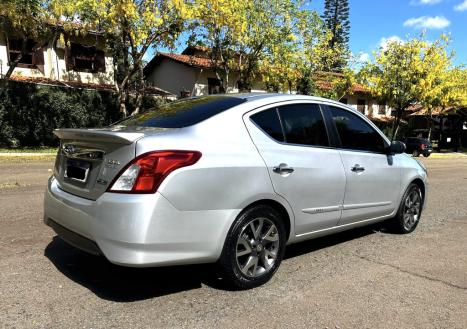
x,y
191,73
83,60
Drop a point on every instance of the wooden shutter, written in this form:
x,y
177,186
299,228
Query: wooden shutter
x,y
13,47
99,61
38,59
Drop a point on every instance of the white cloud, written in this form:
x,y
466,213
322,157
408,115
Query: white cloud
x,y
424,2
428,22
363,57
383,43
462,6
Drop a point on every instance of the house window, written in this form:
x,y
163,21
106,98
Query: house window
x,y
344,101
85,58
382,109
33,56
214,86
361,105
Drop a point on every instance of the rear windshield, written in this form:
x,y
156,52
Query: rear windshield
x,y
182,113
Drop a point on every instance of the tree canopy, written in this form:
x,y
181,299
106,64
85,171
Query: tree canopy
x,y
337,21
415,71
131,27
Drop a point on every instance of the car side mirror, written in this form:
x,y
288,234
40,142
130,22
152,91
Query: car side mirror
x,y
396,147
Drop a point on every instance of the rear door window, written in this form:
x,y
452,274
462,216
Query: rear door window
x,y
303,124
268,121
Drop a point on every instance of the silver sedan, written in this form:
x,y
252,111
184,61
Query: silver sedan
x,y
230,179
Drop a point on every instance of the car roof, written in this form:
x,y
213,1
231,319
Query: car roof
x,y
259,96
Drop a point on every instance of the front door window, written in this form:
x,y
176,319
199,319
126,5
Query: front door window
x,y
355,133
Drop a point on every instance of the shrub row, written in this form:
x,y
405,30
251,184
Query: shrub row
x,y
29,112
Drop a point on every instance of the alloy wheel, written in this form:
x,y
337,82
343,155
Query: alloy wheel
x,y
257,247
412,208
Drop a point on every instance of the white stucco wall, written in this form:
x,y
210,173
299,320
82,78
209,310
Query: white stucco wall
x,y
55,67
371,105
173,77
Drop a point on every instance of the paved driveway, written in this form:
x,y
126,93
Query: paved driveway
x,y
364,278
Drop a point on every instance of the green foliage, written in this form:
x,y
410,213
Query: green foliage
x,y
336,18
130,28
300,62
415,71
29,113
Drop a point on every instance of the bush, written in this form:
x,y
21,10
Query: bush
x,y
29,112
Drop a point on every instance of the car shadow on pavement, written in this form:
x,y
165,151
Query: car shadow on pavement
x,y
308,246
126,284
119,283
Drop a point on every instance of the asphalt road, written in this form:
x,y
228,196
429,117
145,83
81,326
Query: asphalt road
x,y
365,278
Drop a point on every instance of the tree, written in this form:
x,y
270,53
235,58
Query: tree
x,y
441,83
413,71
280,69
269,24
300,63
394,76
316,59
215,25
131,27
336,18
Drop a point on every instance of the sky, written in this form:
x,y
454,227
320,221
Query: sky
x,y
373,22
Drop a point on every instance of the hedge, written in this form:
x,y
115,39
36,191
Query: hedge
x,y
30,112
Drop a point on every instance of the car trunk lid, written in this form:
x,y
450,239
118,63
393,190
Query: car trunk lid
x,y
89,159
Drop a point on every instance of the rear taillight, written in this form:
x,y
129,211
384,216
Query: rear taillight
x,y
422,146
146,173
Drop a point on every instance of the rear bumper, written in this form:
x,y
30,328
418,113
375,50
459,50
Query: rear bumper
x,y
73,238
137,230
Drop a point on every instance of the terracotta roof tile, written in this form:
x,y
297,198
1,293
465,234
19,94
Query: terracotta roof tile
x,y
356,88
200,62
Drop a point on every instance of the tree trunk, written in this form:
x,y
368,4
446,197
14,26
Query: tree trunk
x,y
12,66
123,92
430,123
141,92
122,97
395,128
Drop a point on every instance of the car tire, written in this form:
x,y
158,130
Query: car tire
x,y
410,210
426,155
416,153
254,248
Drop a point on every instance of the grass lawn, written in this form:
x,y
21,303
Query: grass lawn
x,y
46,150
24,159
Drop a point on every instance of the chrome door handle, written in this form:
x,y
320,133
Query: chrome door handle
x,y
283,168
357,168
